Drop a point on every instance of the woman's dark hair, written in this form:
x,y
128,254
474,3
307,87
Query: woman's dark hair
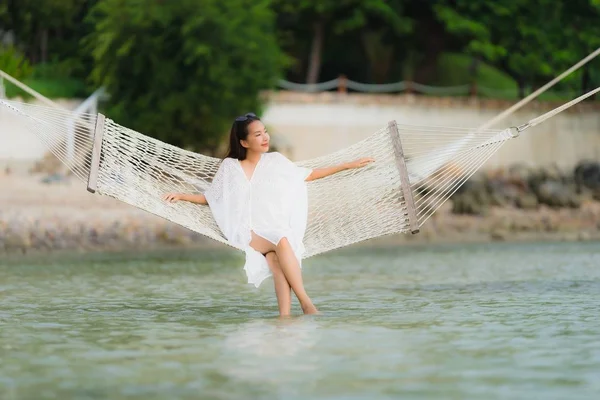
x,y
239,131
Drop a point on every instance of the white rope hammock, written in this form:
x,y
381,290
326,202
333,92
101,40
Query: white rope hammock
x,y
416,169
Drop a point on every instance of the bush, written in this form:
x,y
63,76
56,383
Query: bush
x,y
14,63
181,71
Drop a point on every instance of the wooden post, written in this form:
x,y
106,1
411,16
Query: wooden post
x,y
404,180
342,84
96,150
473,89
409,87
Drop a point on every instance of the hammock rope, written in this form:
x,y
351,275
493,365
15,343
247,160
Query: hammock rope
x,y
416,170
552,113
541,90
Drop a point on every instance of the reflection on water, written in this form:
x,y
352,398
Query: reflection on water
x,y
486,321
257,351
272,339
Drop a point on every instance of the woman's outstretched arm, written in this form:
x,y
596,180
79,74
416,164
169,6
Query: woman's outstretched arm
x,y
192,198
319,173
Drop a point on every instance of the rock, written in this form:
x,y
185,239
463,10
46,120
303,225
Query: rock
x,y
524,224
498,200
17,240
549,223
519,174
54,178
49,164
469,203
499,235
557,194
527,201
574,200
587,175
553,173
473,198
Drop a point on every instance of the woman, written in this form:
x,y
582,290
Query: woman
x,y
259,201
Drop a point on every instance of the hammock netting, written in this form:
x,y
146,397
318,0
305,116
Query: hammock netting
x,y
416,169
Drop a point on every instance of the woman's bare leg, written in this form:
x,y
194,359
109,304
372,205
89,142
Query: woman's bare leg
x,y
291,269
282,286
289,266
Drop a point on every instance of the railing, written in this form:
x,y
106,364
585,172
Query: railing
x,y
343,85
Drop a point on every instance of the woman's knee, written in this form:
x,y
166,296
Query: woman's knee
x,y
271,257
283,242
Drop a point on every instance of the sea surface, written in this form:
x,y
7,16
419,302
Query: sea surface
x,y
485,321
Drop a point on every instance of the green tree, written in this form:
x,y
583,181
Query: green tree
x,y
532,40
578,36
180,71
306,24
383,27
36,23
48,32
14,63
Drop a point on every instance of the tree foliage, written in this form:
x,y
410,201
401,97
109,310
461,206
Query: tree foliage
x,y
14,63
532,40
376,22
181,71
47,31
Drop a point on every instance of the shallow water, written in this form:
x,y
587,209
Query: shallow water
x,y
482,321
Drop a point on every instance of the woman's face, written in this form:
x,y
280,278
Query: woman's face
x,y
258,138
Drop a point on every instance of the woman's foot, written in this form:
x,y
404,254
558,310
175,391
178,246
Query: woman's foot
x,y
309,308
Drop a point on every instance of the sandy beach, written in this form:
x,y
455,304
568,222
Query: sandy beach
x,y
37,216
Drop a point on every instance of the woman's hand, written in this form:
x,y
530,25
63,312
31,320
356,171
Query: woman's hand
x,y
192,198
173,197
361,162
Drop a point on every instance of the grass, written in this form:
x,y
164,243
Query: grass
x,y
453,69
50,87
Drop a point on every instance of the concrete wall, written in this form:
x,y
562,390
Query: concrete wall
x,y
316,124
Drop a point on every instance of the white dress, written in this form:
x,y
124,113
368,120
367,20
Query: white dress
x,y
273,203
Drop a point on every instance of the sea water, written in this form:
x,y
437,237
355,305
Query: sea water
x,y
487,321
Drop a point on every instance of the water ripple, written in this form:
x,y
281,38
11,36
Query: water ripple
x,y
494,321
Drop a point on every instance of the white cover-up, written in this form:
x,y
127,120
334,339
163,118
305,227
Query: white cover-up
x,y
273,203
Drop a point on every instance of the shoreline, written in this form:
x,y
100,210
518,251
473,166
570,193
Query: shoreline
x,y
61,217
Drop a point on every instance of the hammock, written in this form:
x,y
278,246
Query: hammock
x,y
416,169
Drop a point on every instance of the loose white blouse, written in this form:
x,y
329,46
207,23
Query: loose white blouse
x,y
273,203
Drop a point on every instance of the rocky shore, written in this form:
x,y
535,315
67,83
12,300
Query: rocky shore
x,y
528,188
38,214
45,215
